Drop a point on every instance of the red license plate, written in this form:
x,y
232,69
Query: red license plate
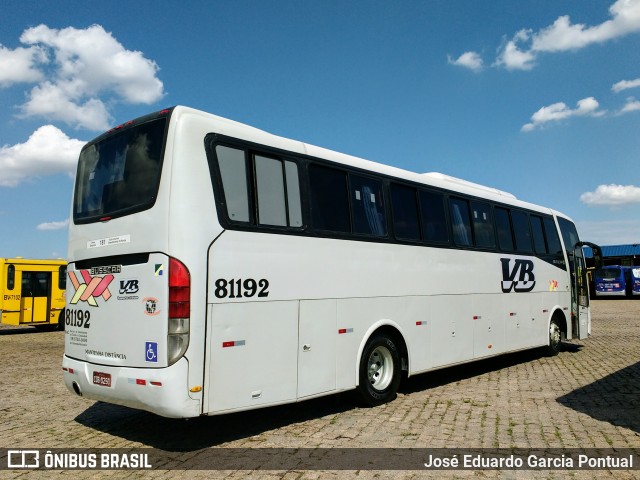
x,y
103,379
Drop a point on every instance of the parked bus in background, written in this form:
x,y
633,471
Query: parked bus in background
x,y
215,268
634,280
32,292
613,281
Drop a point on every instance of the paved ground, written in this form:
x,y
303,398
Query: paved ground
x,y
587,396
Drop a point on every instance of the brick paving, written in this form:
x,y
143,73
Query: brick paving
x,y
588,396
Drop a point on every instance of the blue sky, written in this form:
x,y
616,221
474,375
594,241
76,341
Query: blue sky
x,y
539,98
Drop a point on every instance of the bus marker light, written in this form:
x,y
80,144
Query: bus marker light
x,y
156,384
345,330
195,389
423,322
477,317
489,346
233,343
140,381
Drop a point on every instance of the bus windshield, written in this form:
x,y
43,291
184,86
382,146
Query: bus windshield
x,y
119,175
609,273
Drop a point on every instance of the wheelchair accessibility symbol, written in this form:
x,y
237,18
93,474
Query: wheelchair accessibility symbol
x,y
151,352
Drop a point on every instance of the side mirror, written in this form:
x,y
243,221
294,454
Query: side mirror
x,y
597,252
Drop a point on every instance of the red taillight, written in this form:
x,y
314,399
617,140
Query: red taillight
x,y
179,290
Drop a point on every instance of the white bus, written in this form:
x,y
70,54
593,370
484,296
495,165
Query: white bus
x,y
215,268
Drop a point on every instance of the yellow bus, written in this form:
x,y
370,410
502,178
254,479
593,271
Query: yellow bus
x,y
32,292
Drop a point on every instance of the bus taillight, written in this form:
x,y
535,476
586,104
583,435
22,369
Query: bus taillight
x,y
179,310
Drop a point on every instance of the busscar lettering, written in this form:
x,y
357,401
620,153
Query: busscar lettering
x,y
523,270
105,270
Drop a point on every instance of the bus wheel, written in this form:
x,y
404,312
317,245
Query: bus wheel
x,y
379,371
61,321
555,338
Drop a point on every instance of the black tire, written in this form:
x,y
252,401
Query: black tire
x,y
555,338
379,371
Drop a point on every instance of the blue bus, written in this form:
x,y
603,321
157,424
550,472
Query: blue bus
x,y
612,281
633,278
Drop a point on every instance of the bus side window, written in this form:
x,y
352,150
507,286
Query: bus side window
x,y
551,234
521,231
329,199
273,184
503,224
404,207
270,191
293,194
62,277
483,225
233,170
367,206
538,234
11,277
461,222
434,218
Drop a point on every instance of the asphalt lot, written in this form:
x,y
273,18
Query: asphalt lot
x,y
586,397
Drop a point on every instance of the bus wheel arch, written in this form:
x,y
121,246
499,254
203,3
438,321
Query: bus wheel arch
x,y
60,325
383,358
557,333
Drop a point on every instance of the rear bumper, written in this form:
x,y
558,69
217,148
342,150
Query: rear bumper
x,y
619,293
163,391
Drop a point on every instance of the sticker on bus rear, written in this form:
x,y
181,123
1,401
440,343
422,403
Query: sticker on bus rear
x,y
151,352
150,306
109,241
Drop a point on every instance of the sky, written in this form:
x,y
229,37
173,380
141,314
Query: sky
x,y
540,98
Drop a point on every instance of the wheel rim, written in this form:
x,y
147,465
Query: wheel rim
x,y
554,335
380,368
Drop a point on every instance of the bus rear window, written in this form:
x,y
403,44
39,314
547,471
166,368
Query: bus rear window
x,y
120,174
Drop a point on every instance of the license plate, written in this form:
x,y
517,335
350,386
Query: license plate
x,y
103,379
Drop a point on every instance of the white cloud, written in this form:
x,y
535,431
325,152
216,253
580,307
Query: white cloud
x,y
612,195
49,100
632,105
53,225
470,60
512,58
48,151
625,85
562,35
89,67
20,65
560,111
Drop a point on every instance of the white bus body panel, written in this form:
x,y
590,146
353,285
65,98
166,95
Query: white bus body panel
x,y
326,297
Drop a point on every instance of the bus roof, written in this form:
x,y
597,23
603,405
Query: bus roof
x,y
245,132
33,261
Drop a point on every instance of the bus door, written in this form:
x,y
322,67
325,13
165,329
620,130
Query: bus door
x,y
580,288
36,296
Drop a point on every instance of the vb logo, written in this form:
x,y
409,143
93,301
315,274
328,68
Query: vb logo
x,y
523,270
128,287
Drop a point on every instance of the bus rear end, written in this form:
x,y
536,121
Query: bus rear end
x,y
611,281
129,295
634,279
